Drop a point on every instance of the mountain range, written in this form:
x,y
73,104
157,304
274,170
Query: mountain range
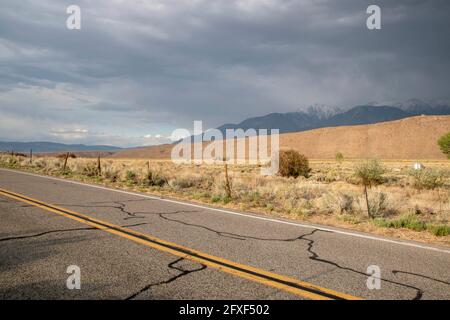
x,y
313,117
25,147
316,117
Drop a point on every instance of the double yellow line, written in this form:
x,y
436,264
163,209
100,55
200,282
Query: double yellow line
x,y
291,285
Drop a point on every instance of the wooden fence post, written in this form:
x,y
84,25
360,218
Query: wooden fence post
x,y
65,162
99,166
227,182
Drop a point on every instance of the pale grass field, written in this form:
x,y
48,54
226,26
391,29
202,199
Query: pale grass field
x,y
330,196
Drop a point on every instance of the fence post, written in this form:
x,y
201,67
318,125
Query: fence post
x,y
99,166
65,162
227,181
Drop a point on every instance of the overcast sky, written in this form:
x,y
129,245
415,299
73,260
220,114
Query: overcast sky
x,y
138,69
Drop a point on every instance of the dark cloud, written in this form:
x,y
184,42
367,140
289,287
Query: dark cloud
x,y
139,69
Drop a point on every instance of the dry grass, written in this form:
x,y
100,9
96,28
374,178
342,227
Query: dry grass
x,y
329,196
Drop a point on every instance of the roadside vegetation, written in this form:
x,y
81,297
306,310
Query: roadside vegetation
x,y
385,197
444,144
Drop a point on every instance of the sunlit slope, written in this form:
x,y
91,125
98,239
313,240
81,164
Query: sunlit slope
x,y
410,138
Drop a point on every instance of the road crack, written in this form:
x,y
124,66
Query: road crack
x,y
36,235
173,266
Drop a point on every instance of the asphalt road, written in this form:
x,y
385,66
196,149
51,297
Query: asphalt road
x,y
119,240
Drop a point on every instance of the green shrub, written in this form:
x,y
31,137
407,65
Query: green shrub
x,y
444,144
428,178
67,172
131,176
440,230
293,164
339,157
409,221
369,173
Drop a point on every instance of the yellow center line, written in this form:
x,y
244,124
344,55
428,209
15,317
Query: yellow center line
x,y
291,285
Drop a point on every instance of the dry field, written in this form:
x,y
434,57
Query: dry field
x,y
402,204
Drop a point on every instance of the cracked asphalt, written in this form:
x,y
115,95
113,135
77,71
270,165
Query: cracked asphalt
x,y
37,246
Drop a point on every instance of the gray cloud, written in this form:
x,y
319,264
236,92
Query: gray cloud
x,y
143,68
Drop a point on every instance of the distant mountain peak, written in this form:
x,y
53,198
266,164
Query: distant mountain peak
x,y
323,111
414,104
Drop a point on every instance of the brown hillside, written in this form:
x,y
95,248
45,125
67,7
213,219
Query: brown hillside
x,y
153,152
410,138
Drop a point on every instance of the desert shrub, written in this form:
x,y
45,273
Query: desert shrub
x,y
440,230
293,164
131,176
345,202
90,170
111,175
60,170
331,176
154,179
328,176
369,173
40,163
204,182
444,144
379,204
340,202
250,196
339,157
12,162
408,221
182,183
428,178
9,161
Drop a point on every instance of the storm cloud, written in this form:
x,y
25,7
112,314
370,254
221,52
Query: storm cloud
x,y
139,69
